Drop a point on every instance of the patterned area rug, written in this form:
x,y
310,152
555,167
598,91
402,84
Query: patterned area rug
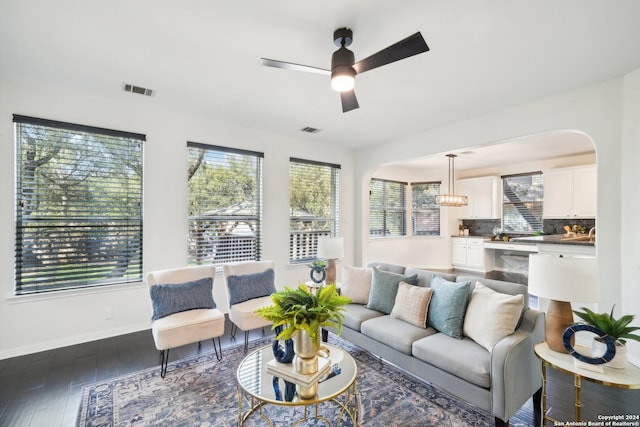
x,y
202,392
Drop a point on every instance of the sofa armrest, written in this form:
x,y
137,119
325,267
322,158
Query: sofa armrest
x,y
515,370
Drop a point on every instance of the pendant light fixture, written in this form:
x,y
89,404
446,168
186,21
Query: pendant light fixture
x,y
451,199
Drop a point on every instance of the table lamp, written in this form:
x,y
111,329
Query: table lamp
x,y
562,279
330,248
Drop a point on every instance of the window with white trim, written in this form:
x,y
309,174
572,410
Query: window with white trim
x,y
425,213
314,191
78,206
522,198
387,208
224,202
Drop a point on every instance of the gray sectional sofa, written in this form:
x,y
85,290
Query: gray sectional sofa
x,y
499,381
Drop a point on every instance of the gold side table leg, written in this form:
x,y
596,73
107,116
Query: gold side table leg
x,y
544,393
577,383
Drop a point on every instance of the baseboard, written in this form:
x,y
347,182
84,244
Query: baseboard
x,y
77,339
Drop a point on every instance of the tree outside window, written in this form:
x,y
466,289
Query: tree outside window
x,y
387,208
224,201
313,206
78,206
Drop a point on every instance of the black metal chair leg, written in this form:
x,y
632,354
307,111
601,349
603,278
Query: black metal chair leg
x,y
218,356
234,328
164,361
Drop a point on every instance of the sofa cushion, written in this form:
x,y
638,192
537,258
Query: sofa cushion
x,y
169,299
491,315
355,314
463,358
393,332
385,266
448,305
412,303
425,276
243,287
384,287
356,283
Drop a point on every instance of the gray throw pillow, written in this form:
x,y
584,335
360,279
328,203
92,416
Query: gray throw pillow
x,y
384,288
168,299
448,305
244,287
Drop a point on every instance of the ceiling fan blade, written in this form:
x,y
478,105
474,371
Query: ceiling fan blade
x,y
291,66
412,45
349,100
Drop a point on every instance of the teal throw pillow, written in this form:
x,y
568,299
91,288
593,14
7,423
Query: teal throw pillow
x,y
448,306
168,299
384,288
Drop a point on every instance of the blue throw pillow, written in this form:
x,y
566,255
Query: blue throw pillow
x,y
248,286
384,288
448,306
170,299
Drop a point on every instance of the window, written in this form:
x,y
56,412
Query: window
x,y
78,206
314,190
425,214
224,202
522,197
387,209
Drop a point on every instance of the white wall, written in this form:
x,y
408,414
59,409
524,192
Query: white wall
x,y
598,112
29,324
630,206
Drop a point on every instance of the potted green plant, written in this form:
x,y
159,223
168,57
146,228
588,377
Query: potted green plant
x,y
302,312
618,329
301,309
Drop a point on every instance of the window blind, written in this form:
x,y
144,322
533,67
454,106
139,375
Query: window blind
x,y
224,202
425,214
522,202
314,191
387,208
78,206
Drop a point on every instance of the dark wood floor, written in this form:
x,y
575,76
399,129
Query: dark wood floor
x,y
44,389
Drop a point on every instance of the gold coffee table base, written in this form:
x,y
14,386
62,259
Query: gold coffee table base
x,y
348,407
255,389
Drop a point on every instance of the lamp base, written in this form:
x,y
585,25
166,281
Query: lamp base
x,y
559,318
331,272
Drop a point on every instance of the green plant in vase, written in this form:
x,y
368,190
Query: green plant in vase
x,y
301,309
617,329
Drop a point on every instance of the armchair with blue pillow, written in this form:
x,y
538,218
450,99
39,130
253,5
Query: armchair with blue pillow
x,y
184,310
249,287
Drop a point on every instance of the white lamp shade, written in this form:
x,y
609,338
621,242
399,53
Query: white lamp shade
x,y
330,247
564,278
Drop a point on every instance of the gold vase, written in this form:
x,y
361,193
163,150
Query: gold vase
x,y
306,361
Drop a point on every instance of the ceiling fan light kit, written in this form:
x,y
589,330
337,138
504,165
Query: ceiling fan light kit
x,y
344,68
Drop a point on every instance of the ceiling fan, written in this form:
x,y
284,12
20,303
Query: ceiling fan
x,y
343,65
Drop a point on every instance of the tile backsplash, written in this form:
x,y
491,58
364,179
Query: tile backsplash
x,y
484,227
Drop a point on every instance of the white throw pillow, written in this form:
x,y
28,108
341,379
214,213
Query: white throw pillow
x,y
356,283
491,315
412,303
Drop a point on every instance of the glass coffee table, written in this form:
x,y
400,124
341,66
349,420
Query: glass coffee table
x,y
336,403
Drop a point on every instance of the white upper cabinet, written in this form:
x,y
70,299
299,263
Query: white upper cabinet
x,y
484,198
570,192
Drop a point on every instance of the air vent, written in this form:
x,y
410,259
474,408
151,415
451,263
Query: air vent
x,y
309,129
138,89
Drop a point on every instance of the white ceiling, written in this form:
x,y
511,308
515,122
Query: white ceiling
x,y
201,57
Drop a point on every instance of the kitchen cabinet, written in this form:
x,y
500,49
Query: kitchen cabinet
x,y
469,253
570,193
483,197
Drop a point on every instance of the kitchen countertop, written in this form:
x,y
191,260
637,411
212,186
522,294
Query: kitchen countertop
x,y
555,239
